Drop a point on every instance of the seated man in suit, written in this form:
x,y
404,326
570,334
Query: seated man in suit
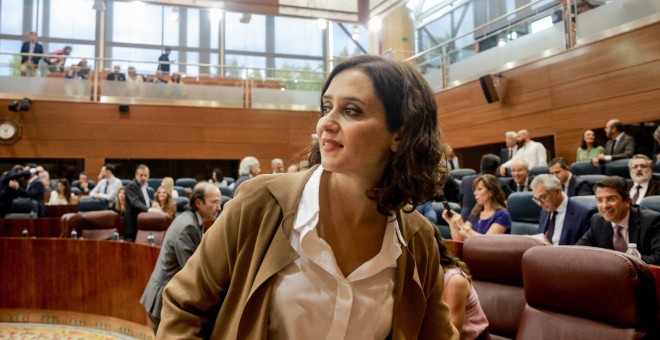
x,y
642,183
108,186
520,176
619,222
619,146
562,220
182,238
572,185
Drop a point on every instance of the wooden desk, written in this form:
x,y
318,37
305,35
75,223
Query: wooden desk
x,y
87,276
38,227
59,210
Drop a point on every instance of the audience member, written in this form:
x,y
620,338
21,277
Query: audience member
x,y
533,153
511,147
292,168
248,168
84,184
426,209
34,189
182,238
164,202
56,63
107,187
30,61
137,201
450,157
218,178
164,61
339,225
620,145
571,185
62,195
589,148
465,311
44,177
9,185
116,74
489,215
133,77
159,78
175,78
120,206
168,184
520,180
563,221
642,183
84,67
75,72
619,222
656,145
277,165
489,165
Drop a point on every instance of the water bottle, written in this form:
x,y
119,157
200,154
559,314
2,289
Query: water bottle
x,y
74,233
151,239
632,250
26,232
115,235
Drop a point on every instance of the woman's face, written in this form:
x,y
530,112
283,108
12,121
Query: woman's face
x,y
121,194
162,195
60,187
353,134
481,193
589,136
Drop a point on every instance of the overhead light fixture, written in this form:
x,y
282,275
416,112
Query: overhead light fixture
x,y
99,5
245,18
215,14
355,34
174,15
20,105
321,24
375,23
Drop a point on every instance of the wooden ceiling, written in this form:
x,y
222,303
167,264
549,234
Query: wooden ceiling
x,y
353,11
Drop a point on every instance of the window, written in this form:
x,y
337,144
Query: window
x,y
244,67
245,36
72,20
11,18
137,23
298,36
192,39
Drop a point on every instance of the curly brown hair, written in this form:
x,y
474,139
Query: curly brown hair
x,y
414,172
498,199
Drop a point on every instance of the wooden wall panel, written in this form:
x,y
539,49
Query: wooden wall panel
x,y
563,94
96,131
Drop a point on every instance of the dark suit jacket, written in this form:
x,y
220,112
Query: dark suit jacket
x,y
504,155
653,189
625,148
35,190
116,76
576,222
7,194
164,63
38,49
578,187
135,204
180,242
466,195
643,229
511,184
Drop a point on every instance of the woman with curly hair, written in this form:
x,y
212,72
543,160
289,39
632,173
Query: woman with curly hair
x,y
335,251
62,195
489,215
164,202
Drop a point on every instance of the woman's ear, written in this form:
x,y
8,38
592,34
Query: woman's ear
x,y
395,143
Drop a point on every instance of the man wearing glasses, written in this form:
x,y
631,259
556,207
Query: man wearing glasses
x,y
619,222
563,221
641,184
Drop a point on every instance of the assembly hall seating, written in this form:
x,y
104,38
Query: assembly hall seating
x,y
152,222
96,225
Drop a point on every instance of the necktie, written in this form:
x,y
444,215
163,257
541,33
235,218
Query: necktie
x,y
618,239
613,144
105,189
634,199
551,226
201,228
510,153
519,188
451,164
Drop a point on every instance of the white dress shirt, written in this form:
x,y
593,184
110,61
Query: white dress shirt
x,y
642,191
559,219
311,297
533,153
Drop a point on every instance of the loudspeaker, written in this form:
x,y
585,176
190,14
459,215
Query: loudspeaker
x,y
488,87
123,108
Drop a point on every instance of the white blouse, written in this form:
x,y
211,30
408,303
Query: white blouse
x,y
311,297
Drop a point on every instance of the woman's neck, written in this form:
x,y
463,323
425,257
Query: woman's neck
x,y
348,198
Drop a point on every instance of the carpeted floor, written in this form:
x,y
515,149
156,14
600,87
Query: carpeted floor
x,y
12,330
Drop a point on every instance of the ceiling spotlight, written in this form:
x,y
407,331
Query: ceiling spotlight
x,y
174,15
245,18
321,24
355,35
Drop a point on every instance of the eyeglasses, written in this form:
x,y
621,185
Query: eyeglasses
x,y
608,199
539,200
641,166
